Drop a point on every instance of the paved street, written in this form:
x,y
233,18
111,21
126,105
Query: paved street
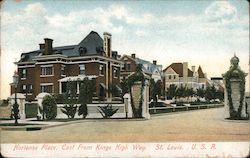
x,y
199,125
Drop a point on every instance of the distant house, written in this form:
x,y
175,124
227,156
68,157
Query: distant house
x,y
130,63
180,75
49,68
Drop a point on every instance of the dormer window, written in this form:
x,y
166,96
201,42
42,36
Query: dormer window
x,y
82,51
99,50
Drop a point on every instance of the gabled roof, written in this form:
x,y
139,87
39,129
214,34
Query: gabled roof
x,y
178,68
151,68
200,73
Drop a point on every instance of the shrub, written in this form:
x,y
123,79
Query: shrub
x,y
107,111
60,98
49,107
69,110
83,110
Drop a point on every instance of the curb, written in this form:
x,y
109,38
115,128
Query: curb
x,y
45,126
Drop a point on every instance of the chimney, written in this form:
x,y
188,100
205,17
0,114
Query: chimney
x,y
154,62
107,44
41,46
133,56
185,71
48,46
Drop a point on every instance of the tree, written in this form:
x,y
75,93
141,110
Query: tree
x,y
171,91
210,93
124,87
85,96
220,95
189,92
181,92
70,108
155,89
200,92
59,98
49,107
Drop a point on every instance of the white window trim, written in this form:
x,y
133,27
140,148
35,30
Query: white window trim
x,y
47,84
82,66
100,70
115,69
24,78
63,66
45,66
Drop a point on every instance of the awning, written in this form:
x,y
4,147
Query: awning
x,y
77,78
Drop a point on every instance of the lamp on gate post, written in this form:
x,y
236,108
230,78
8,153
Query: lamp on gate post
x,y
15,106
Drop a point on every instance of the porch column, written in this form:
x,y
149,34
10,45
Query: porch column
x,y
77,87
60,87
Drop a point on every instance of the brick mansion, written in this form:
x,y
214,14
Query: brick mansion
x,y
49,68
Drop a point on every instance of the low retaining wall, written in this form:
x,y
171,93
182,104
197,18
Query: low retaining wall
x,y
157,110
93,111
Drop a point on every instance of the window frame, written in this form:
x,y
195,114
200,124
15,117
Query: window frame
x,y
101,70
82,70
44,85
44,72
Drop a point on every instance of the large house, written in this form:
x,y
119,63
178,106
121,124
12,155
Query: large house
x,y
130,63
49,68
180,75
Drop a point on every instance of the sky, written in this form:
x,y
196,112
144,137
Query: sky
x,y
206,33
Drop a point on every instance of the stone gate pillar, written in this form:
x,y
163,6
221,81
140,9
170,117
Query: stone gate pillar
x,y
21,102
234,94
141,93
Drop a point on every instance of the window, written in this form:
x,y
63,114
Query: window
x,y
169,77
82,69
29,88
82,51
101,69
123,66
115,72
23,73
47,71
48,88
24,88
63,70
128,67
174,77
